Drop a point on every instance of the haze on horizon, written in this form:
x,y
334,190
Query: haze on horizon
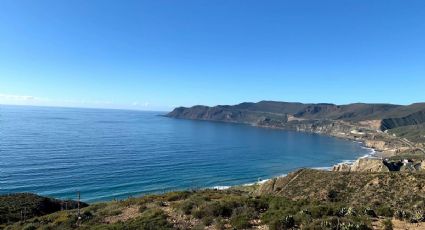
x,y
155,55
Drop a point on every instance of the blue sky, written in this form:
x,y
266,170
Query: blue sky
x,y
154,55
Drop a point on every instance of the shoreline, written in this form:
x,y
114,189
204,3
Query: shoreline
x,y
253,182
373,154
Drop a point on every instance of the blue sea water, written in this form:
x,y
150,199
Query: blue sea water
x,y
107,154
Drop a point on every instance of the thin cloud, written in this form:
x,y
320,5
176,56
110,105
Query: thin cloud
x,y
12,97
145,104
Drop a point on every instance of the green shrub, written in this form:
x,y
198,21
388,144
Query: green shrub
x,y
417,217
384,211
211,209
187,206
113,209
240,221
286,222
242,216
150,220
322,210
280,203
219,223
332,195
29,227
142,208
302,218
87,215
207,220
175,196
259,204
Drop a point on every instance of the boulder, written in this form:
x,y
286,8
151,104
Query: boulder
x,y
369,165
362,165
341,168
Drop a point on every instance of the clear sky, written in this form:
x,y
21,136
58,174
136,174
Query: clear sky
x,y
154,55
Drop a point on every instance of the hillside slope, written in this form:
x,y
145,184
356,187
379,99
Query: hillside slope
x,y
21,206
284,114
401,190
306,199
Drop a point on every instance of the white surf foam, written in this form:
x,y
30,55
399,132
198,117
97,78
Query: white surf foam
x,y
323,168
221,187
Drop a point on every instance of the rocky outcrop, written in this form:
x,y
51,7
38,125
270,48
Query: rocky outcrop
x,y
378,165
376,144
372,124
341,168
362,165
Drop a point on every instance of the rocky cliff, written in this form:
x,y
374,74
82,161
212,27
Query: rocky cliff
x,y
362,165
319,118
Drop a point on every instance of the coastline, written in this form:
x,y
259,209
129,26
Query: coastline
x,y
247,178
373,154
380,144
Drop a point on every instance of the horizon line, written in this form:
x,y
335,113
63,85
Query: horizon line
x,y
81,107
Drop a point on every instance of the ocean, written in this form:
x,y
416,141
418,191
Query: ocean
x,y
115,154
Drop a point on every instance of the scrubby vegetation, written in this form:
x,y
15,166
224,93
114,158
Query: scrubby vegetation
x,y
395,190
415,133
21,206
416,155
255,207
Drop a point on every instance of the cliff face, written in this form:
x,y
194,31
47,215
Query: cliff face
x,y
380,165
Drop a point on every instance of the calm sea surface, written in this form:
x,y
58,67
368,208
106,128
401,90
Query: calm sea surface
x,y
109,154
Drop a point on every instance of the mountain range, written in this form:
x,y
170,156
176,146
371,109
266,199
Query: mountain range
x,y
282,114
